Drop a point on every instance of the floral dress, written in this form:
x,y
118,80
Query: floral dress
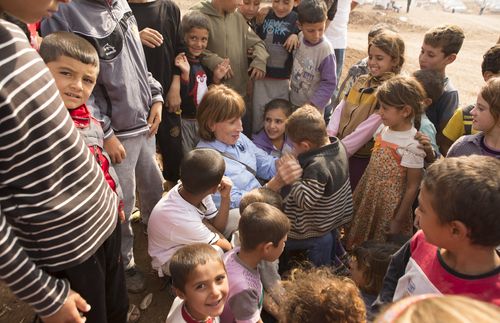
x,y
378,196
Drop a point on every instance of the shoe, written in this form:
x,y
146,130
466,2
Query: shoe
x,y
133,314
136,215
134,280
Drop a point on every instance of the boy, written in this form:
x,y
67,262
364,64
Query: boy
x,y
230,38
321,200
279,32
130,115
58,215
194,79
74,64
312,80
454,253
439,49
199,280
249,9
159,24
180,217
263,231
461,122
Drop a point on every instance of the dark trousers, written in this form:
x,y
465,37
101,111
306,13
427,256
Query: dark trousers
x,y
170,143
100,280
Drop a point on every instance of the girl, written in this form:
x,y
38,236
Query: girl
x,y
272,138
354,121
368,265
385,194
486,118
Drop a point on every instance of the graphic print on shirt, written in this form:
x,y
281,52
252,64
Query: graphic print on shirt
x,y
200,87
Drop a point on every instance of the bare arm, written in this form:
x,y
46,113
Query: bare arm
x,y
220,220
413,179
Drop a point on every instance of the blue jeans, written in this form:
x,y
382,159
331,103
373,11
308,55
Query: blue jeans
x,y
319,249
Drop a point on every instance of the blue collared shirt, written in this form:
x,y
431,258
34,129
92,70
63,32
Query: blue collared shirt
x,y
246,152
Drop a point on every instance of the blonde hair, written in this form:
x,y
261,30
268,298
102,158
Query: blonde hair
x,y
220,103
318,295
490,92
393,45
438,309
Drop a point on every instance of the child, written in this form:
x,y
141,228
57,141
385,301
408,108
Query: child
x,y
355,120
385,194
230,38
272,139
436,309
58,215
159,24
486,119
361,67
179,218
439,49
279,31
194,79
368,265
130,118
321,200
454,253
461,122
432,83
263,232
312,81
74,64
249,9
199,280
320,296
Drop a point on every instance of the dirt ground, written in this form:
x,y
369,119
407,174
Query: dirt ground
x,y
481,33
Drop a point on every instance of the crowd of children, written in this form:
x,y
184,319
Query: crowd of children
x,y
257,181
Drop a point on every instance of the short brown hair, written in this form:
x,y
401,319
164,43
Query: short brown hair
x,y
63,43
491,60
185,260
457,187
201,169
306,123
447,37
432,81
263,195
491,94
220,103
262,223
318,295
393,45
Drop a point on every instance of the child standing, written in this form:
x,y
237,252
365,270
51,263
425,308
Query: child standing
x,y
312,81
455,252
486,119
321,200
279,32
385,194
263,232
200,282
194,79
249,9
180,217
272,139
355,120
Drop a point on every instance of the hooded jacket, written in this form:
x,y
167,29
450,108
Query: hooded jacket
x,y
125,90
230,37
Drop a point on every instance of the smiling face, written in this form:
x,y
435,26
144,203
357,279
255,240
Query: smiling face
x,y
282,8
274,123
482,118
249,8
196,41
74,79
30,11
228,131
205,291
313,32
379,62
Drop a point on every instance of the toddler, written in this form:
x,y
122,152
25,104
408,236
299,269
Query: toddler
x,y
272,139
385,194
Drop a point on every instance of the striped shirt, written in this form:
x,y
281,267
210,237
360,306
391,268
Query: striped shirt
x,y
322,199
56,208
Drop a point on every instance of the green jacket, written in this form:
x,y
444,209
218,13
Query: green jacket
x,y
231,37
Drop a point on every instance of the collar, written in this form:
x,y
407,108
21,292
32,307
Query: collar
x,y
189,319
81,116
308,44
329,149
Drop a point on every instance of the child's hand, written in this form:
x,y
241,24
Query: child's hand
x,y
115,149
256,74
291,42
150,37
225,187
70,310
288,169
221,70
230,72
261,15
182,63
425,144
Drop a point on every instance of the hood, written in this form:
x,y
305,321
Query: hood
x,y
207,8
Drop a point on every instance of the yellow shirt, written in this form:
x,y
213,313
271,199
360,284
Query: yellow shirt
x,y
455,128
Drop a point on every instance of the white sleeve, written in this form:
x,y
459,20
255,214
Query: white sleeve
x,y
411,156
211,211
